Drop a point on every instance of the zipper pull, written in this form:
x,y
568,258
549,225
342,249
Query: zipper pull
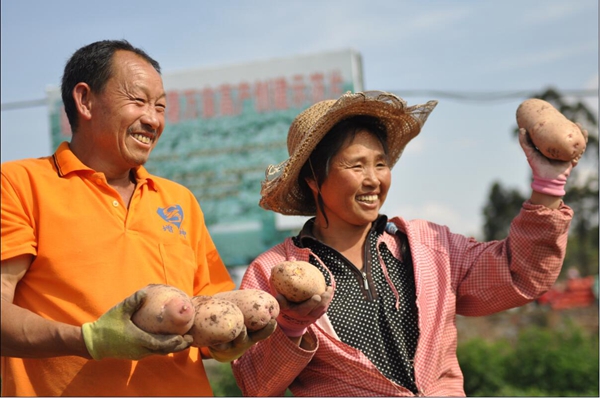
x,y
365,281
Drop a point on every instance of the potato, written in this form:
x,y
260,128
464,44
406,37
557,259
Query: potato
x,y
216,321
297,281
258,306
166,310
551,132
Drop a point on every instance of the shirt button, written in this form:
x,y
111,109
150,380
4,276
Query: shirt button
x,y
115,203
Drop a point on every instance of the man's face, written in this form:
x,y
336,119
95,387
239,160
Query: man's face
x,y
128,117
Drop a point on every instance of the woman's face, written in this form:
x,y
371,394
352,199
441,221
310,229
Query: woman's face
x,y
358,182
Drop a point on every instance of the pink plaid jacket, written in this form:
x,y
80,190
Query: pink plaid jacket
x,y
453,275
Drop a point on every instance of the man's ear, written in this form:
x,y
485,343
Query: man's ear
x,y
82,94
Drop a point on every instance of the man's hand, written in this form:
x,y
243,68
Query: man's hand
x,y
228,352
549,176
114,335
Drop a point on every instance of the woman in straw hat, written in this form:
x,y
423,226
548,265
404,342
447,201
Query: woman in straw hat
x,y
385,325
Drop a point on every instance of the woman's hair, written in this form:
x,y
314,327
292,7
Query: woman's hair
x,y
92,64
317,165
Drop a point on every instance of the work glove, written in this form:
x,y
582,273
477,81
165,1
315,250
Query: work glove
x,y
228,352
114,335
294,318
549,175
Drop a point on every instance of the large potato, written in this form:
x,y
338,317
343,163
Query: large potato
x,y
551,132
258,306
297,281
166,310
216,321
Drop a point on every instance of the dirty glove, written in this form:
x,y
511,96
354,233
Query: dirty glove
x,y
228,352
294,318
549,176
114,335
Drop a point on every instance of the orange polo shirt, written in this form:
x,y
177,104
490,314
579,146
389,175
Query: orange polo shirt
x,y
90,253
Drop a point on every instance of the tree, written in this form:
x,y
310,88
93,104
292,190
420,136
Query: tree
x,y
503,206
544,362
581,192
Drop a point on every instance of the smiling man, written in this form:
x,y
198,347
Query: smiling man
x,y
84,230
118,125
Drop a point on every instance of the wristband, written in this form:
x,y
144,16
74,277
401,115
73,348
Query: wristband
x,y
553,187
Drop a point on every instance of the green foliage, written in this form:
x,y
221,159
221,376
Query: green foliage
x,y
503,205
542,362
582,249
221,379
477,355
567,362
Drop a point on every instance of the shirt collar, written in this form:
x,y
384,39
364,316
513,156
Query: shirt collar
x,y
306,232
66,163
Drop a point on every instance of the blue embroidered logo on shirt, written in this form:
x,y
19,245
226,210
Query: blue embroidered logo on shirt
x,y
173,215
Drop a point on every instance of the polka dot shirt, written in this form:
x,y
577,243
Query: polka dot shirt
x,y
363,310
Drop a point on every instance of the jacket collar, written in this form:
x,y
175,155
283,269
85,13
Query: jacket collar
x,y
306,232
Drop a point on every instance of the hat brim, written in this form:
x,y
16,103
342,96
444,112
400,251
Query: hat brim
x,y
280,191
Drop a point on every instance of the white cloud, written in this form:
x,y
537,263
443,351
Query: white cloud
x,y
365,26
553,12
532,59
593,82
436,20
464,143
415,147
439,213
592,102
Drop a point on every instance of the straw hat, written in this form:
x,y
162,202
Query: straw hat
x,y
280,190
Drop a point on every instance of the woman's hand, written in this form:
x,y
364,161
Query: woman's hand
x,y
294,318
549,176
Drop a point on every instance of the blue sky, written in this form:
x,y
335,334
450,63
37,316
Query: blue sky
x,y
452,46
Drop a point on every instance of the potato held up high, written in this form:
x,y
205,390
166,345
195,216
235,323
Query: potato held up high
x,y
297,281
553,134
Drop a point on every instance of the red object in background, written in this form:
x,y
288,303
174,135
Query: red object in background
x,y
547,297
576,292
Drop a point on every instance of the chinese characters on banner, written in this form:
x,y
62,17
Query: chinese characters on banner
x,y
228,100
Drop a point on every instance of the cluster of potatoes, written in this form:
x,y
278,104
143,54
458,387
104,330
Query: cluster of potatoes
x,y
220,318
209,320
